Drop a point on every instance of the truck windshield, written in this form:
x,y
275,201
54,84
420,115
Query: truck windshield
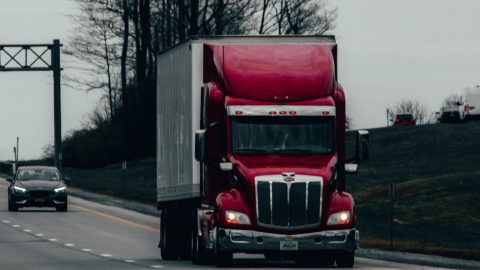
x,y
282,135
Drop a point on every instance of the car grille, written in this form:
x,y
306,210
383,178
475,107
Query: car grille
x,y
39,194
288,205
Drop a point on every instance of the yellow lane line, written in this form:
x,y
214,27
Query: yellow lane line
x,y
117,219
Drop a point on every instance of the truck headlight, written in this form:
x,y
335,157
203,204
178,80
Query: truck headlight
x,y
235,217
342,217
19,189
60,189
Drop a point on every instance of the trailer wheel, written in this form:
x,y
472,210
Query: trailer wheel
x,y
168,250
345,258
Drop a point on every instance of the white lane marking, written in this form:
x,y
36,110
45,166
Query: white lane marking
x,y
53,239
27,230
105,255
69,245
15,226
6,221
86,250
156,266
130,261
39,234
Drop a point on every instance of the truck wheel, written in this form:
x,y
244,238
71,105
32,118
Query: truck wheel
x,y
175,233
222,258
168,249
200,255
345,258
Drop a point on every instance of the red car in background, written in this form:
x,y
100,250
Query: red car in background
x,y
404,120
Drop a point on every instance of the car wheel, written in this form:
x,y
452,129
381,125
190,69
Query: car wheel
x,y
12,207
63,207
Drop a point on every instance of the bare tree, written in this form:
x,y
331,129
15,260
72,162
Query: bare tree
x,y
452,100
417,109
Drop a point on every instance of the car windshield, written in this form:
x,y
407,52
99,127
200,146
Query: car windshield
x,y
38,174
282,135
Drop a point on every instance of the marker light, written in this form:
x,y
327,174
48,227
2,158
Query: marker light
x,y
235,217
272,112
326,113
342,217
283,113
238,112
293,113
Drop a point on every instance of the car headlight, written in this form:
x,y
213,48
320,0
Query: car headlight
x,y
19,189
342,217
60,189
235,217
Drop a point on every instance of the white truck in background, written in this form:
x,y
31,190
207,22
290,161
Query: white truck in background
x,y
472,102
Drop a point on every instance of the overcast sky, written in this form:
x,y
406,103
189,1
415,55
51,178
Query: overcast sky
x,y
388,50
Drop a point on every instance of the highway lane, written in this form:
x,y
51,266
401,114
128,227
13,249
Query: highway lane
x,y
95,236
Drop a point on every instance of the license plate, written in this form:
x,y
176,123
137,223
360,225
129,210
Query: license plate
x,y
288,245
39,199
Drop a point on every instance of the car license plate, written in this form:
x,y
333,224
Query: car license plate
x,y
288,245
39,199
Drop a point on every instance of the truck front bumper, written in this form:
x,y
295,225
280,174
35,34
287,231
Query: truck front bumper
x,y
255,241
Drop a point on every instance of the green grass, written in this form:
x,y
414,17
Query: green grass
x,y
436,169
138,183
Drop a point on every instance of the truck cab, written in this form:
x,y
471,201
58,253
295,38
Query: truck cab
x,y
264,121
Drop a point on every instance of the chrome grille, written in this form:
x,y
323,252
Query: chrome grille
x,y
288,205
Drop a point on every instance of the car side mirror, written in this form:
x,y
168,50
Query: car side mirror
x,y
351,168
362,145
67,180
9,179
200,145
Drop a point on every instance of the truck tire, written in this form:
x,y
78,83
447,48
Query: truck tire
x,y
345,258
222,258
175,233
200,255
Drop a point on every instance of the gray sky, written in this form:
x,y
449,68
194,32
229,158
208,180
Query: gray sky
x,y
388,50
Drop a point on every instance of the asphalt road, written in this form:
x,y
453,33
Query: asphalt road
x,y
95,236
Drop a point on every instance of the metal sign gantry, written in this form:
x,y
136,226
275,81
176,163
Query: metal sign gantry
x,y
38,57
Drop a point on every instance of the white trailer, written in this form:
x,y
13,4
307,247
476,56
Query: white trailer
x,y
472,102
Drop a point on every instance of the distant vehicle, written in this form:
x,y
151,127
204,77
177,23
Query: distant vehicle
x,y
404,120
38,186
453,113
472,102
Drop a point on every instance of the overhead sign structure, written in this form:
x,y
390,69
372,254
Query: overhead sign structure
x,y
38,57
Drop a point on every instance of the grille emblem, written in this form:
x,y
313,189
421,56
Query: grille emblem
x,y
288,176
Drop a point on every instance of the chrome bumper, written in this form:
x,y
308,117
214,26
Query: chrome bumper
x,y
247,240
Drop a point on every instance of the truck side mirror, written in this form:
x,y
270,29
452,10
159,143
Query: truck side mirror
x,y
362,145
351,168
200,145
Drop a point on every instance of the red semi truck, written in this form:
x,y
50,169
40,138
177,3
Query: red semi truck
x,y
251,151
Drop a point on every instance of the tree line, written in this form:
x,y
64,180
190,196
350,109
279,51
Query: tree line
x,y
114,46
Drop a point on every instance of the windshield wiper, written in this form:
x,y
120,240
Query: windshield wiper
x,y
250,150
293,150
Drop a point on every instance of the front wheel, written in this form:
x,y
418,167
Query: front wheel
x,y
345,258
200,255
222,258
12,207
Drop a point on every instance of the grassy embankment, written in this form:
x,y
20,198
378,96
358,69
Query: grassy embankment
x,y
436,169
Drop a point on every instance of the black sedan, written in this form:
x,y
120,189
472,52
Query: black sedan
x,y
37,186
